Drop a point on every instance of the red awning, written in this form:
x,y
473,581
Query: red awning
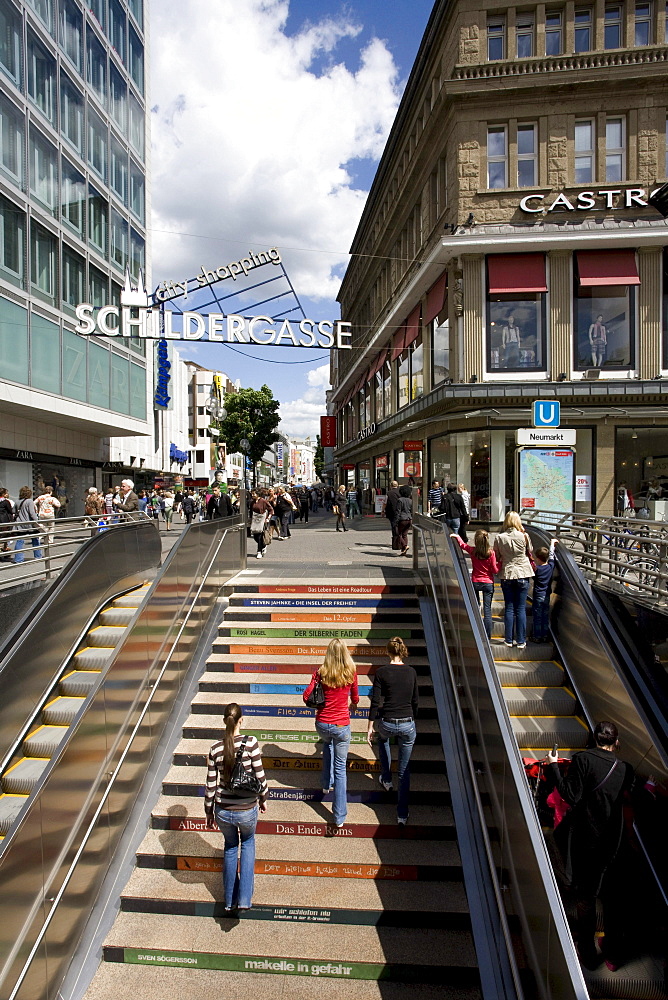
x,y
412,327
398,342
378,363
516,272
359,384
607,267
436,297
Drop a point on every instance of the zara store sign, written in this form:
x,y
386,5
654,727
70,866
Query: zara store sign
x,y
609,198
138,317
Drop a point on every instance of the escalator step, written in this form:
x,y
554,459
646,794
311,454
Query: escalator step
x,y
117,616
537,731
93,657
530,673
10,806
23,776
61,711
131,600
44,741
78,683
105,635
539,701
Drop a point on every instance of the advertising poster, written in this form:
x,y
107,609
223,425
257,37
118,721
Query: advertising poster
x,y
279,455
546,478
582,488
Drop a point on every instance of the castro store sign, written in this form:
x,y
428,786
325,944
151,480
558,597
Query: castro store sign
x,y
137,317
584,201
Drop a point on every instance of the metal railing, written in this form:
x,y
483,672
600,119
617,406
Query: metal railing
x,y
525,883
621,554
56,855
40,549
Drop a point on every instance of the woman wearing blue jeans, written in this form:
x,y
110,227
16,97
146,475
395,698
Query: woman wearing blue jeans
x,y
235,811
338,677
513,549
394,705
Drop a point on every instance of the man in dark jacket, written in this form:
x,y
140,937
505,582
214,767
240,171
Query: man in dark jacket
x,y
390,509
218,505
454,508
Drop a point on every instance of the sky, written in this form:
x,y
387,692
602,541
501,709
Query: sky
x,y
268,120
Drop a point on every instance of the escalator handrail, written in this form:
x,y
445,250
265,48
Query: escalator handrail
x,y
556,915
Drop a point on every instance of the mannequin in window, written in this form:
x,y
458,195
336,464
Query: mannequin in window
x,y
598,340
510,338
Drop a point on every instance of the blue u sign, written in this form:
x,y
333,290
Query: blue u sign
x,y
546,413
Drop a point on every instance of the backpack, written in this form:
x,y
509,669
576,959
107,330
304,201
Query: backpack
x,y
448,506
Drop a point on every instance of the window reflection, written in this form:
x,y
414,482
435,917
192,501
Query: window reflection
x,y
603,323
515,331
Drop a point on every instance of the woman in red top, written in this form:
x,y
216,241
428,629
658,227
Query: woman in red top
x,y
485,566
332,722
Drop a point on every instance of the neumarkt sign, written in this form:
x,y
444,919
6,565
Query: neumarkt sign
x,y
138,317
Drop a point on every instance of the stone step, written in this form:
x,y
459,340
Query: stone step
x,y
339,602
238,629
250,663
294,729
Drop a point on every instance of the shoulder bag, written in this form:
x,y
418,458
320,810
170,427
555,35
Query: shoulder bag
x,y
242,780
316,699
257,522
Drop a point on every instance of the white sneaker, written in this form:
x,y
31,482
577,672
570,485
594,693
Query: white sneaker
x,y
259,555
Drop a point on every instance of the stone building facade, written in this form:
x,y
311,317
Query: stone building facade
x,y
508,253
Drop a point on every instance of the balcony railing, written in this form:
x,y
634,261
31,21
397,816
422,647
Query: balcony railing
x,y
564,63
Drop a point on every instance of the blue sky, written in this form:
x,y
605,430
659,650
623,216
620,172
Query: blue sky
x,y
275,151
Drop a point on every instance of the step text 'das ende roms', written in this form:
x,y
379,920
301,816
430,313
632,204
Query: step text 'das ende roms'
x,y
148,322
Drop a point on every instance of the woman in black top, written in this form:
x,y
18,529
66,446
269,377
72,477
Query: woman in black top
x,y
394,704
6,518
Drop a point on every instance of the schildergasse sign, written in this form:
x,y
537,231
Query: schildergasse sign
x,y
139,316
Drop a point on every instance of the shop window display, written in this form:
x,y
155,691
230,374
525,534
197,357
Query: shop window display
x,y
603,326
464,457
516,331
440,352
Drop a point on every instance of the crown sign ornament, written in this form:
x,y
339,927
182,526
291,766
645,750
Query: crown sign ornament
x,y
132,295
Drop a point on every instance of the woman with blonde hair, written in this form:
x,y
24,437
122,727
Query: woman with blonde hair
x,y
513,552
338,678
394,705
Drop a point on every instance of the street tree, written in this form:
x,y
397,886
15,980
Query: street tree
x,y
319,457
252,416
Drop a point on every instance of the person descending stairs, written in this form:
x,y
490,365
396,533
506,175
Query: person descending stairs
x,y
373,901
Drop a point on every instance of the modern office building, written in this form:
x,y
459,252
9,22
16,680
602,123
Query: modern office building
x,y
208,452
507,253
74,200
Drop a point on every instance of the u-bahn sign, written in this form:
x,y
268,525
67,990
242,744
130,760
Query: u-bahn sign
x,y
137,316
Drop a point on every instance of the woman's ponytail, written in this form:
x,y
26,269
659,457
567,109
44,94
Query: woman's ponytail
x,y
231,715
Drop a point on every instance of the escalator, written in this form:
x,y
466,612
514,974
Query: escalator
x,y
50,724
554,694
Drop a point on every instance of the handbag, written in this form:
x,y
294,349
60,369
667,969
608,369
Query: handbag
x,y
316,699
242,780
257,523
267,535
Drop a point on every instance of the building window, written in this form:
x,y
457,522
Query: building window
x,y
11,42
11,137
137,11
98,287
96,67
583,30
516,324
71,32
604,326
119,170
496,40
117,27
43,250
43,171
137,254
98,220
137,189
466,457
71,113
44,10
136,131
584,152
410,374
96,7
73,206
12,241
119,240
417,369
136,60
41,77
403,379
440,351
201,432
643,24
74,272
497,156
612,32
97,144
614,149
554,33
524,36
526,156
199,456
118,98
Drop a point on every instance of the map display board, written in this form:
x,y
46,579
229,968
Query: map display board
x,y
546,478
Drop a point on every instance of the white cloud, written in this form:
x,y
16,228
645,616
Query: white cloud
x,y
252,133
301,417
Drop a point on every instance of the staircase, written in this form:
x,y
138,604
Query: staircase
x,y
543,710
373,902
53,720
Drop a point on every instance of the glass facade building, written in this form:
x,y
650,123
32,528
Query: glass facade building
x,y
72,216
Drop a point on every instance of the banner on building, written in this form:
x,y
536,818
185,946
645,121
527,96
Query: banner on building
x,y
328,432
279,455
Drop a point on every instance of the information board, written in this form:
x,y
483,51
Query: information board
x,y
546,477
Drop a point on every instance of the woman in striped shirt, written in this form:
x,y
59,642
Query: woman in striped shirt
x,y
235,812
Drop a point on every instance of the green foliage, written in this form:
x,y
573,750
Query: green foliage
x,y
251,414
319,457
